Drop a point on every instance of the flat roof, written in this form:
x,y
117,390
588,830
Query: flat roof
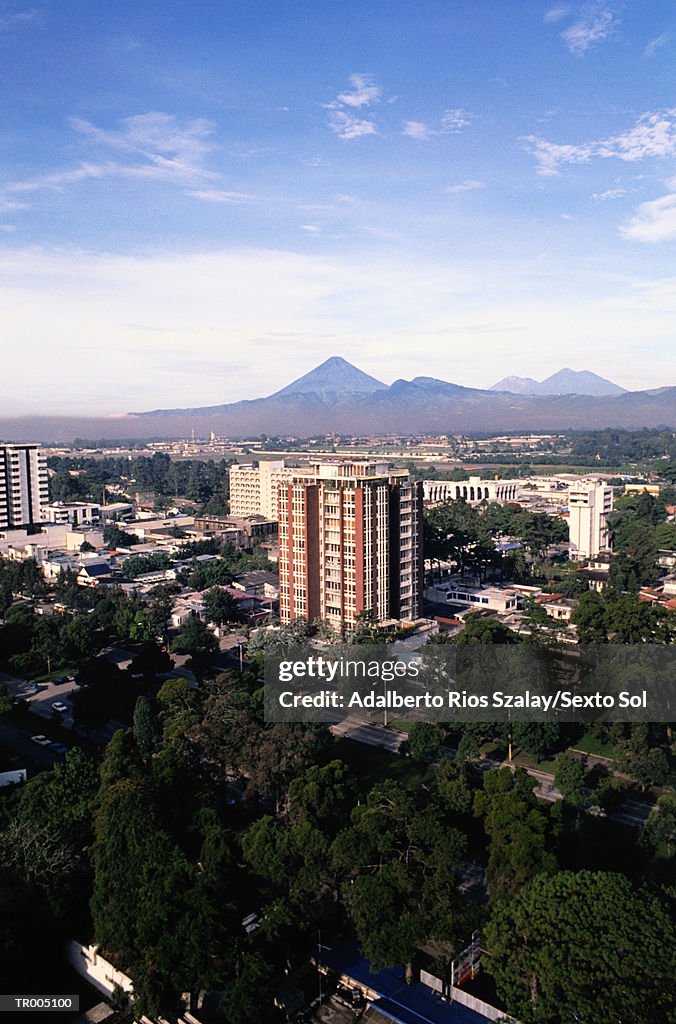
x,y
403,1003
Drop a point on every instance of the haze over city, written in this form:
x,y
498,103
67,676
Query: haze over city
x,y
193,195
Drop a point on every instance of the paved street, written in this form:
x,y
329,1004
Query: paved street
x,y
372,735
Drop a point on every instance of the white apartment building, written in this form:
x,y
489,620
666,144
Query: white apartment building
x,y
254,487
350,543
589,505
23,485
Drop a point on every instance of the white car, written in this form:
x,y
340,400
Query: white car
x,y
59,706
41,740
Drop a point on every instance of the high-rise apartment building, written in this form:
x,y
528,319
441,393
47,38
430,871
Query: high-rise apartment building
x,y
23,485
588,508
254,487
350,542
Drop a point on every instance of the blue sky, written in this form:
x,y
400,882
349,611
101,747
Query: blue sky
x,y
201,201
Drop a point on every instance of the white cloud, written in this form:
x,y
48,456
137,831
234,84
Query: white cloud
x,y
653,222
555,14
469,185
656,44
610,193
167,144
594,27
347,126
150,146
344,122
454,121
215,195
10,20
312,229
653,135
417,130
364,92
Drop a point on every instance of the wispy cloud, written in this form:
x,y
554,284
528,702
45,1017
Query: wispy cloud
x,y
347,126
364,92
11,19
469,185
417,130
555,14
215,195
168,145
653,222
653,135
147,146
595,26
656,44
343,122
610,193
452,123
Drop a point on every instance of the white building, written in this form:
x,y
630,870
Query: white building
x,y
254,487
588,508
469,595
23,485
472,491
74,512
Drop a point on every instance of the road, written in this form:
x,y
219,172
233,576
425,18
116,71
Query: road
x,y
632,812
372,735
17,737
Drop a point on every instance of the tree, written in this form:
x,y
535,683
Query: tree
x,y
424,741
147,730
660,828
516,828
591,618
536,738
194,639
197,641
159,611
396,867
6,701
323,795
248,996
569,777
220,606
583,946
478,630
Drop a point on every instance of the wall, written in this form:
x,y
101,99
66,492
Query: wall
x,y
98,971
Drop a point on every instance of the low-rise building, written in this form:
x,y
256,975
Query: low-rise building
x,y
472,491
75,513
472,595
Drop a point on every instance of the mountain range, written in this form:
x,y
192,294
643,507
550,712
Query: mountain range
x,y
565,382
338,397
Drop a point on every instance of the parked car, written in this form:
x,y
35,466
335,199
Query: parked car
x,y
41,740
61,679
59,706
60,748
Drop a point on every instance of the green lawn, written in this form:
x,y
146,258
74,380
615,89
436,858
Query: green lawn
x,y
592,745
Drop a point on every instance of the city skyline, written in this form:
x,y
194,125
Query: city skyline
x,y
191,197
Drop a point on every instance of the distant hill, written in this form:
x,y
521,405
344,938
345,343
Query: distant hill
x,y
338,397
565,382
517,386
